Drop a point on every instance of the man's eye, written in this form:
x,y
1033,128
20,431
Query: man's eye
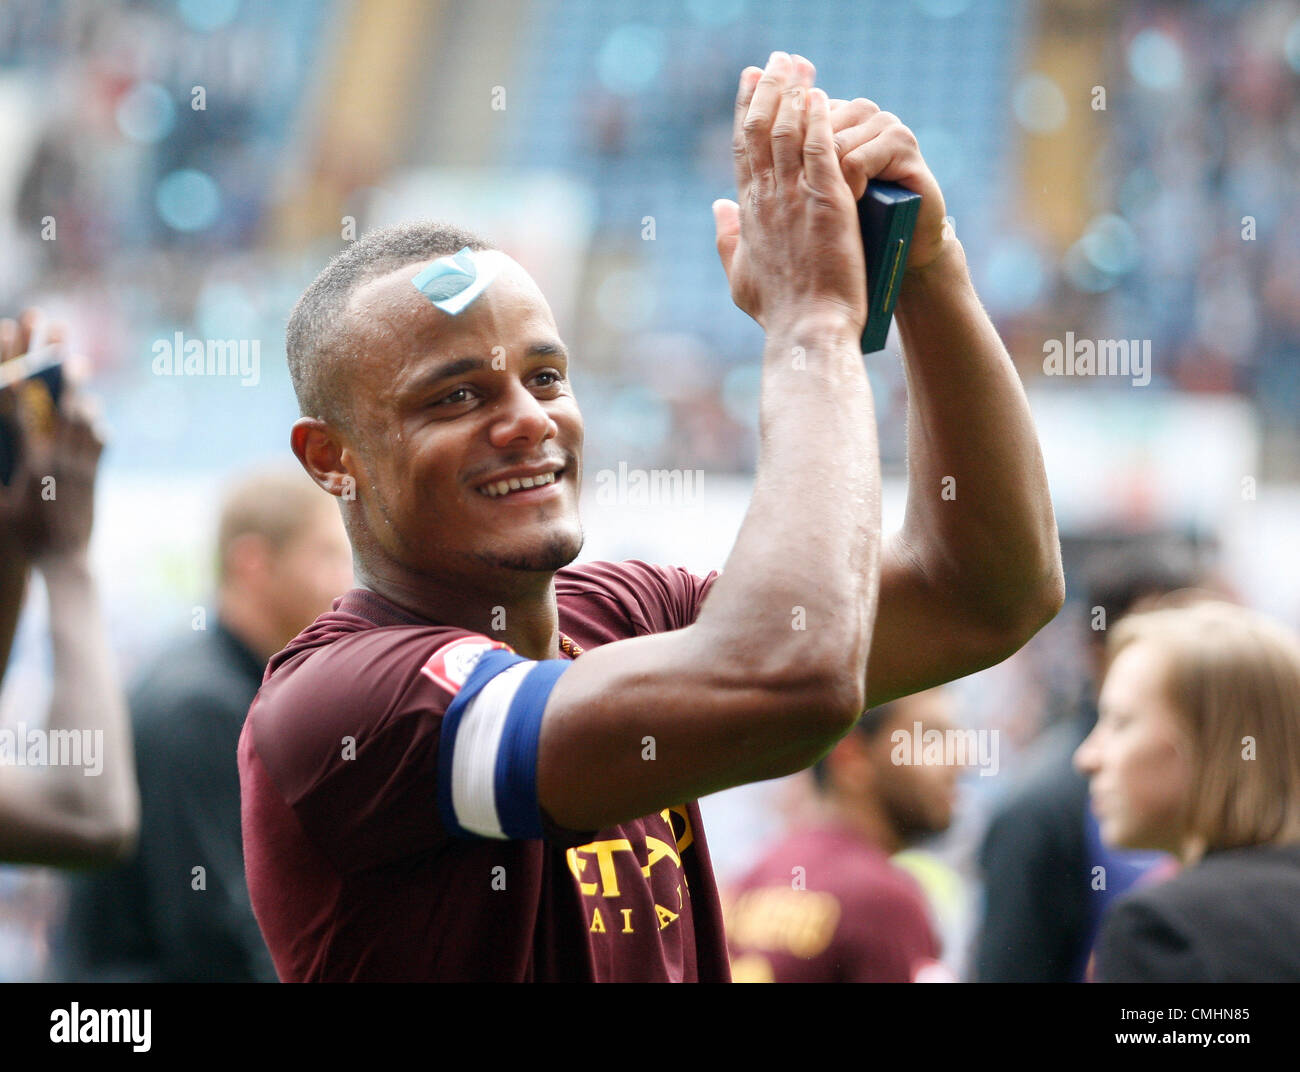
x,y
555,378
452,398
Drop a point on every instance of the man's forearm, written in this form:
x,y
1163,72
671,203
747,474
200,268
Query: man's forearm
x,y
979,514
87,696
806,560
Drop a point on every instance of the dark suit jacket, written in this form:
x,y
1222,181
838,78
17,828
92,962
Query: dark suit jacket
x,y
1232,918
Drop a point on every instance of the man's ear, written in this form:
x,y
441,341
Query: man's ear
x,y
321,452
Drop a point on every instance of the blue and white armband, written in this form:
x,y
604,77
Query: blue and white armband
x,y
487,761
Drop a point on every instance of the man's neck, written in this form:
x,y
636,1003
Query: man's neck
x,y
520,610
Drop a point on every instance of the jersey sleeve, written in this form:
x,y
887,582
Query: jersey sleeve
x,y
391,742
649,598
681,590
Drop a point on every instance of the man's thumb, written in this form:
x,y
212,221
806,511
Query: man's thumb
x,y
726,220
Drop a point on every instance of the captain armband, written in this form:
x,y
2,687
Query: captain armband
x,y
487,762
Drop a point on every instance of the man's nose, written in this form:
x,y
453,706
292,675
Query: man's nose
x,y
521,418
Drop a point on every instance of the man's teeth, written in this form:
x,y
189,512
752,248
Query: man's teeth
x,y
504,487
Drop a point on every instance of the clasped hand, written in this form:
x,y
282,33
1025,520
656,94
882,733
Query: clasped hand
x,y
790,244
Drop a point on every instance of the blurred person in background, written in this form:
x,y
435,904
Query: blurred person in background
x,y
826,905
85,812
179,910
1197,753
1043,897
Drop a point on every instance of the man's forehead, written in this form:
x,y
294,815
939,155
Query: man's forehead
x,y
397,335
391,303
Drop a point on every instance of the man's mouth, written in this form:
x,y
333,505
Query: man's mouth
x,y
519,485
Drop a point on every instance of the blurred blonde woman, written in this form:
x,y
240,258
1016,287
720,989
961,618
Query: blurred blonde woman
x,y
1197,752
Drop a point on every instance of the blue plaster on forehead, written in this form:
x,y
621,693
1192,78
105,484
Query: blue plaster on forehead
x,y
452,283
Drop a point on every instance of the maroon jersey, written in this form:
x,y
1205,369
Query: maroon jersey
x,y
826,906
377,838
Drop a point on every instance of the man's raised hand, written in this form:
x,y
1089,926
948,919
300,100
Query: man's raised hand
x,y
872,144
790,247
48,507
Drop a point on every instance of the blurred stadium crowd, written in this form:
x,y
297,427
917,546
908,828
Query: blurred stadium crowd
x,y
188,166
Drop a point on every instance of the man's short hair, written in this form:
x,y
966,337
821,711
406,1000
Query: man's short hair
x,y
276,504
1120,579
317,336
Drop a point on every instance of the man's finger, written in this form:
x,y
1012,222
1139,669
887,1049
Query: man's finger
x,y
862,154
850,123
8,339
31,330
81,427
726,222
748,81
859,121
869,126
791,123
821,166
884,156
77,368
757,124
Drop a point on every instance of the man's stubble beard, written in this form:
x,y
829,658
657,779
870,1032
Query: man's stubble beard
x,y
914,822
559,550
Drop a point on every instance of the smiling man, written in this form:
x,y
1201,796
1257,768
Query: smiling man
x,y
483,763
